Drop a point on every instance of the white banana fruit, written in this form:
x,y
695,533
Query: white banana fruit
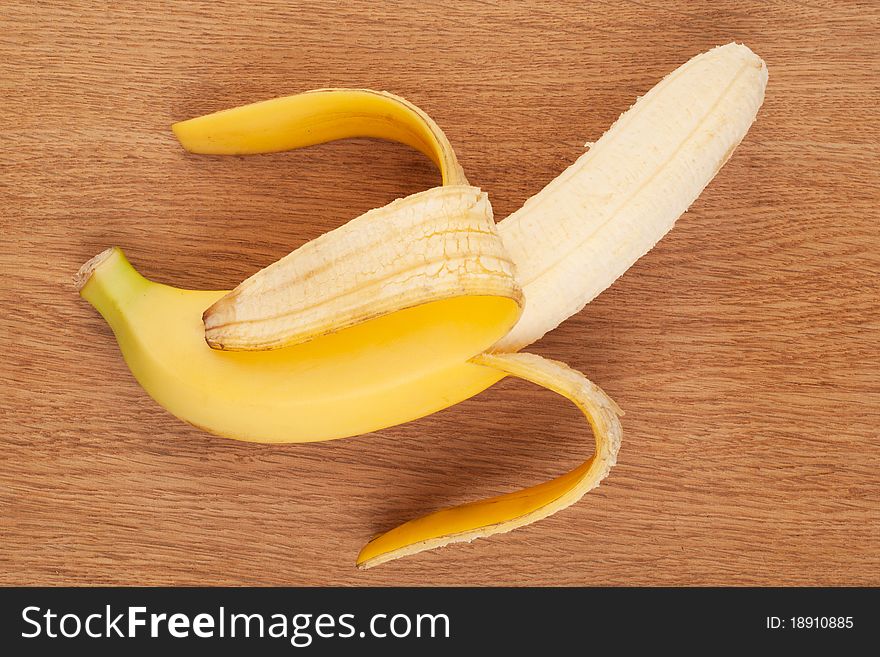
x,y
576,236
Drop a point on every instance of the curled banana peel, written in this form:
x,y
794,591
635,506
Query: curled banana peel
x,y
317,117
507,512
418,305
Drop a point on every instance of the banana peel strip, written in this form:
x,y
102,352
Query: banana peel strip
x,y
317,117
504,513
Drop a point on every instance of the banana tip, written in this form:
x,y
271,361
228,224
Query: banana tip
x,y
212,321
183,136
85,272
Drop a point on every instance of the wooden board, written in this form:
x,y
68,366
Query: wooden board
x,y
743,348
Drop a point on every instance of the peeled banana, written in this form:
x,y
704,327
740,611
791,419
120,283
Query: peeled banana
x,y
576,236
418,305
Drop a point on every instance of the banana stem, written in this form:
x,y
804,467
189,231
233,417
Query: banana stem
x,y
109,282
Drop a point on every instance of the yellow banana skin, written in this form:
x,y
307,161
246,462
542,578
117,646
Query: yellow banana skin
x,y
317,117
504,513
436,244
377,374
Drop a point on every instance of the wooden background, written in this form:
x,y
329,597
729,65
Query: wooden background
x,y
743,348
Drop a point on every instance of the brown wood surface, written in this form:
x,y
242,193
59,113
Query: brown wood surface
x,y
744,348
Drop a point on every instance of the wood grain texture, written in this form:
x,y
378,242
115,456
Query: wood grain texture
x,y
743,348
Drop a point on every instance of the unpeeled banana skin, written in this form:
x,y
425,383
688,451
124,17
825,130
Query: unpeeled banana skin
x,y
362,379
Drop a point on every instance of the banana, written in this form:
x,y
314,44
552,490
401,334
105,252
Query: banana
x,y
350,334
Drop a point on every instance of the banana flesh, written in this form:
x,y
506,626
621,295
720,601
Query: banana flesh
x,y
576,236
565,246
